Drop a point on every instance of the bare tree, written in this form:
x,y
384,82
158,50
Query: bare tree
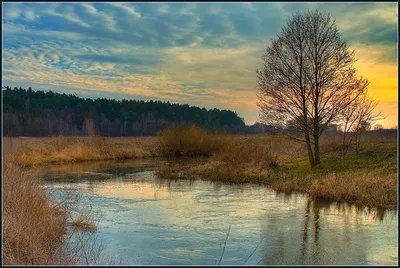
x,y
358,118
308,77
348,117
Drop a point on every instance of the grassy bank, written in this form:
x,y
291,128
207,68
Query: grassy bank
x,y
33,228
367,178
37,151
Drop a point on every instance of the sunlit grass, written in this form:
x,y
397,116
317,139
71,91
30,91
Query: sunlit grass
x,y
78,149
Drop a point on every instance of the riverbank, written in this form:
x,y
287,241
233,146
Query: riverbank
x,y
369,178
59,150
33,228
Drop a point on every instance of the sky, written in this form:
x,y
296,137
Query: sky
x,y
203,54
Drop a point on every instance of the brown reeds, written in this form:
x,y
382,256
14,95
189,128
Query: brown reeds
x,y
78,149
374,189
188,141
231,158
282,164
85,224
33,228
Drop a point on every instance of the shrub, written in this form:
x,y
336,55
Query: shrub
x,y
187,141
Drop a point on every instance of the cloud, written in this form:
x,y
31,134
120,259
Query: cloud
x,y
125,11
203,54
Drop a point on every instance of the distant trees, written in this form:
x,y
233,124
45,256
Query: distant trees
x,y
308,78
89,127
11,125
378,127
39,113
258,127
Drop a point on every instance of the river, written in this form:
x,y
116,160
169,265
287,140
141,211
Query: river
x,y
145,220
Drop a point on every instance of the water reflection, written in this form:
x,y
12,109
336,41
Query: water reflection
x,y
334,234
179,222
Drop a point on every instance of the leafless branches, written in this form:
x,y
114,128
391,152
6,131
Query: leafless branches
x,y
356,118
308,77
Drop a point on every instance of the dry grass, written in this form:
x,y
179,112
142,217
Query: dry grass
x,y
331,143
76,149
287,184
283,164
85,224
374,189
188,141
238,159
238,153
238,162
234,158
33,228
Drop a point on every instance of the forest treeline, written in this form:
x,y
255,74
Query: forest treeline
x,y
39,113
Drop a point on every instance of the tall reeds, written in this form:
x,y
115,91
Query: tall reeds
x,y
375,189
33,228
190,141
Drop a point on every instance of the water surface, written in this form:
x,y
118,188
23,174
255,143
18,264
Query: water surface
x,y
144,220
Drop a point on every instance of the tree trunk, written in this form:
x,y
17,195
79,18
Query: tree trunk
x,y
358,137
309,149
344,134
317,160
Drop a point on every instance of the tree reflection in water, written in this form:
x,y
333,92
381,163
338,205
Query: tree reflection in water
x,y
343,227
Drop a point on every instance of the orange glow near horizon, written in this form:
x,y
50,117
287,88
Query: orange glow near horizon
x,y
383,87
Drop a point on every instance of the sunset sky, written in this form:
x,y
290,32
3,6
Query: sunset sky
x,y
203,54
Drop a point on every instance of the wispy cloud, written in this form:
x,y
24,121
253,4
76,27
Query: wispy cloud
x,y
203,54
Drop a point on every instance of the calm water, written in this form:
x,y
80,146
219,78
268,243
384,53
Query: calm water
x,y
143,220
